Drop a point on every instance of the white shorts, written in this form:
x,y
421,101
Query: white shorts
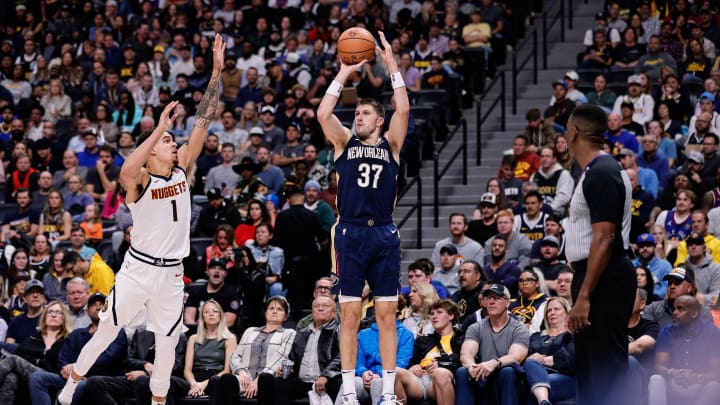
x,y
425,380
139,284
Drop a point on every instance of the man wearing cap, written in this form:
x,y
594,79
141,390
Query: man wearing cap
x,y
685,371
223,176
297,69
215,289
555,184
707,272
24,325
272,134
658,267
288,112
643,104
20,225
128,67
321,208
501,270
560,111
646,177
289,152
484,224
42,384
248,187
550,264
601,23
446,273
498,342
218,211
626,113
573,94
700,226
231,79
255,140
467,248
706,103
604,282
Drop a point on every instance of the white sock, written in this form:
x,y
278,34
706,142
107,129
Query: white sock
x,y
348,384
388,382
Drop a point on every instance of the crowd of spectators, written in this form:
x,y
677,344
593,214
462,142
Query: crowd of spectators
x,y
79,81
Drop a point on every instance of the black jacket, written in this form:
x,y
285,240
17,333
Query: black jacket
x,y
423,345
210,218
142,350
32,349
328,349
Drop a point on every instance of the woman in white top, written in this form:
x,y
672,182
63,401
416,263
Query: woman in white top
x,y
57,104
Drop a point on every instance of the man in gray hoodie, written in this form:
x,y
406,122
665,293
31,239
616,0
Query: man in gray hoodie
x,y
555,184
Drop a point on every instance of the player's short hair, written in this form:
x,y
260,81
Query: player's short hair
x,y
457,214
145,135
379,109
533,193
591,123
71,257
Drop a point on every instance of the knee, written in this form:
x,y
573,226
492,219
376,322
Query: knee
x,y
442,377
507,374
462,374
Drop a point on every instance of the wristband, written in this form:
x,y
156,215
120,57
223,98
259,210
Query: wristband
x,y
334,89
396,80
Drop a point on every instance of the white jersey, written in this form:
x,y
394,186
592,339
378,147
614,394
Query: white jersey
x,y
161,217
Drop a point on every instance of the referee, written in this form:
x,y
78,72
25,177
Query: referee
x,y
603,288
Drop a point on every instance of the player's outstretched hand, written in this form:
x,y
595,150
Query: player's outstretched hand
x,y
219,53
347,69
386,51
166,119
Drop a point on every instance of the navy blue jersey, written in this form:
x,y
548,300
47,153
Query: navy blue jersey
x,y
367,181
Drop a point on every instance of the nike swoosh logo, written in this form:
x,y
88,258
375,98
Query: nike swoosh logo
x,y
178,274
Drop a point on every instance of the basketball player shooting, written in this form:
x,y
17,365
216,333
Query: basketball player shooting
x,y
366,243
158,195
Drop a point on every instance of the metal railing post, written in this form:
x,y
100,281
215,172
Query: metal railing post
x,y
535,56
562,20
478,131
570,14
502,101
436,191
544,40
419,211
514,82
463,121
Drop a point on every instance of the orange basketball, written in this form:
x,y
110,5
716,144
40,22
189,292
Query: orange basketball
x,y
356,45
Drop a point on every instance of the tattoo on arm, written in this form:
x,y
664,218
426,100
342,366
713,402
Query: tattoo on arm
x,y
208,104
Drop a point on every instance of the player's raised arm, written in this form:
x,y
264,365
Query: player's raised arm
x,y
399,121
206,109
331,125
130,171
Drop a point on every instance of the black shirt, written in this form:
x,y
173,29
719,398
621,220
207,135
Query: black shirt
x,y
479,232
226,296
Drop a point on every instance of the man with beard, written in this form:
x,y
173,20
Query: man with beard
x,y
657,266
40,195
290,151
467,248
619,138
215,289
446,273
231,79
319,207
707,272
481,229
471,278
44,158
271,175
686,371
102,178
252,91
518,246
549,264
680,282
20,225
500,270
700,225
643,103
532,222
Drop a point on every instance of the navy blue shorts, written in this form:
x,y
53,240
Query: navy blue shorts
x,y
366,252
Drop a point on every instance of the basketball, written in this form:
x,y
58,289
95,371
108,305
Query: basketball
x,y
356,45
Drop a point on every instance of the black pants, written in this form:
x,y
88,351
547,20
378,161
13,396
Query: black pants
x,y
179,388
228,388
601,350
105,390
294,388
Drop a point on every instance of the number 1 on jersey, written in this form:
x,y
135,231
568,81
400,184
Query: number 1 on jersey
x,y
368,171
174,209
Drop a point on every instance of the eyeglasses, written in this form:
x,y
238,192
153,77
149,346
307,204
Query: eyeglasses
x,y
493,298
527,280
323,288
54,312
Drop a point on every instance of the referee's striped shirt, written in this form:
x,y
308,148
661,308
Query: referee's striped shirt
x,y
603,194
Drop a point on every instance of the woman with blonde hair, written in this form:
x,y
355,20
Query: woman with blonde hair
x,y
550,365
249,117
416,316
39,351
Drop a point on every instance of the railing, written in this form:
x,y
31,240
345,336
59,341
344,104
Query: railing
x,y
439,173
481,118
559,15
415,208
516,69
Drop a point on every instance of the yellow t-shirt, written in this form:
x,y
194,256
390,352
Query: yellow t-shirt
x,y
434,353
481,28
100,276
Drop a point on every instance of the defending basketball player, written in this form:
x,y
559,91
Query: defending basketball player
x,y
366,243
158,196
